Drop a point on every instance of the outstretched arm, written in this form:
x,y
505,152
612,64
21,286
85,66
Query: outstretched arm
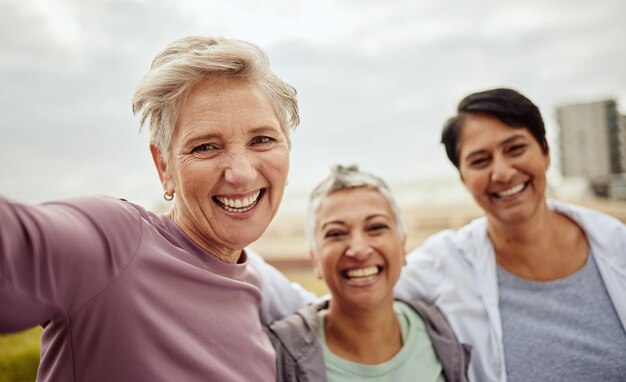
x,y
54,257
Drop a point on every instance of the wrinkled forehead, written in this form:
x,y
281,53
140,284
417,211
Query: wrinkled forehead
x,y
224,82
229,97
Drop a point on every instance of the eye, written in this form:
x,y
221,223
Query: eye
x,y
334,234
204,148
517,149
377,227
262,140
479,162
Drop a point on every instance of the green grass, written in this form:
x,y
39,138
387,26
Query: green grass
x,y
19,356
19,352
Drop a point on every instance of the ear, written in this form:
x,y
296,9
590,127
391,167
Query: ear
x,y
547,159
317,268
161,168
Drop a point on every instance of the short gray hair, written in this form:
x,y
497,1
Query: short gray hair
x,y
342,178
188,61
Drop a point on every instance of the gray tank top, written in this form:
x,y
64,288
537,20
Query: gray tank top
x,y
561,330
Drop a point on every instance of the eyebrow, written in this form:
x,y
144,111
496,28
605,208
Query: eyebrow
x,y
262,129
503,143
199,137
342,223
339,222
372,216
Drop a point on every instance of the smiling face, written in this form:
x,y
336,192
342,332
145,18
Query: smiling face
x,y
503,167
228,165
358,248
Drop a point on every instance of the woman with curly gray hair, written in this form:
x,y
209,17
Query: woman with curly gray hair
x,y
128,295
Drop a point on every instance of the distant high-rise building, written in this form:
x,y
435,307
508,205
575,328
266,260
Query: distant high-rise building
x,y
593,145
622,140
592,139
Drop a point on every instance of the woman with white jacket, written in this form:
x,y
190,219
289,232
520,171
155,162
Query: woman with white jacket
x,y
537,287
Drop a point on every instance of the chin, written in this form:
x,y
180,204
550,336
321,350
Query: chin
x,y
513,218
247,238
369,301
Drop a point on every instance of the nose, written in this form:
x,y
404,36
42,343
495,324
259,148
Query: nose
x,y
358,248
503,171
240,170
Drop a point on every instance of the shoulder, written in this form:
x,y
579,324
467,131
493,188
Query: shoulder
x,y
453,355
79,218
431,315
450,241
300,325
115,223
583,214
442,259
104,208
601,229
297,345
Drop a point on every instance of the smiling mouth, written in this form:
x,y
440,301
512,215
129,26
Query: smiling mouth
x,y
511,191
362,275
239,205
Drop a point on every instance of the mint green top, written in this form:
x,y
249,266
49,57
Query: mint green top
x,y
415,362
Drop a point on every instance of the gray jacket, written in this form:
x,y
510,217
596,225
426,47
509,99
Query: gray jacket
x,y
299,355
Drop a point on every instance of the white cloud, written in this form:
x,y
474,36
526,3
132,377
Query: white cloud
x,y
375,79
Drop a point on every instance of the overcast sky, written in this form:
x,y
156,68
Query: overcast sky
x,y
376,79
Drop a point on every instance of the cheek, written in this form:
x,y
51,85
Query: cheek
x,y
397,260
282,158
543,165
328,259
326,268
277,165
197,177
475,182
317,269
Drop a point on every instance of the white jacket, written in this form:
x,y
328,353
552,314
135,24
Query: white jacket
x,y
457,272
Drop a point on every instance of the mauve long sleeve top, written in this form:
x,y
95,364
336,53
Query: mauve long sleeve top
x,y
125,295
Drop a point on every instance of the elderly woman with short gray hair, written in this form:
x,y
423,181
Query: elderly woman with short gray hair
x,y
362,333
125,294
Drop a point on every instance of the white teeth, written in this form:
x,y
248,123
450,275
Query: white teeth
x,y
362,272
239,205
511,191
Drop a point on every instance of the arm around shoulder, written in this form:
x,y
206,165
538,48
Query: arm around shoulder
x,y
280,297
422,274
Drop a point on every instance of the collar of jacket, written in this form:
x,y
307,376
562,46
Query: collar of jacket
x,y
298,334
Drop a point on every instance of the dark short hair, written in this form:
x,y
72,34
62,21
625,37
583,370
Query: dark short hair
x,y
507,105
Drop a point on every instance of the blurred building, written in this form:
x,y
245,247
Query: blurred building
x,y
593,145
622,137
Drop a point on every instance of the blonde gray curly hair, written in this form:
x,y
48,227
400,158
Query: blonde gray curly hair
x,y
188,61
